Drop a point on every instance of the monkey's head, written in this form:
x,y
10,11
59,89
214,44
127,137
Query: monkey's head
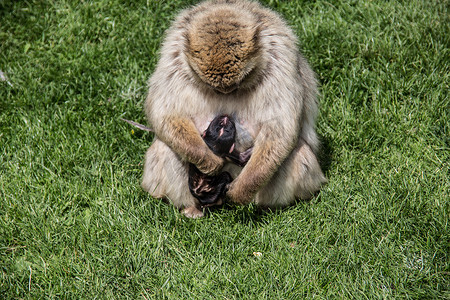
x,y
220,135
222,48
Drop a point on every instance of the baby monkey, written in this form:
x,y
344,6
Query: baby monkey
x,y
220,138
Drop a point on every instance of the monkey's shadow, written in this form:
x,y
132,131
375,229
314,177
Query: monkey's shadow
x,y
325,155
240,214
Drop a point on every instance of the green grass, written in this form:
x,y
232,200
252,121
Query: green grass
x,y
74,222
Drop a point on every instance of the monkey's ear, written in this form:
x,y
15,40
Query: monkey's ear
x,y
204,134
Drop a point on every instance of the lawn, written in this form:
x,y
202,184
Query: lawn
x,y
74,222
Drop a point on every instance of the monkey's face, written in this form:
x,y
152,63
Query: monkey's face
x,y
220,135
222,48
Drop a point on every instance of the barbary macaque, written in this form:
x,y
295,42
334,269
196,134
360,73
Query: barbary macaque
x,y
220,137
233,57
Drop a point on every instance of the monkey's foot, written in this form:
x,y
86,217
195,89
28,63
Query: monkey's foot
x,y
192,212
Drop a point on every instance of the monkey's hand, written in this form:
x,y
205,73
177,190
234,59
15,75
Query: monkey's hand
x,y
181,135
238,195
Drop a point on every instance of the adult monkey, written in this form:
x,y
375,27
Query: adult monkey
x,y
237,58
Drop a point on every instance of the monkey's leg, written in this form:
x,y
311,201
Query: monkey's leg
x,y
166,176
299,177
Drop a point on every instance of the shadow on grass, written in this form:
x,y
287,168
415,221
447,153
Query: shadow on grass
x,y
325,155
240,214
253,214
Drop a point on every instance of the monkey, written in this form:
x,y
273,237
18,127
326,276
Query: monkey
x,y
220,138
238,58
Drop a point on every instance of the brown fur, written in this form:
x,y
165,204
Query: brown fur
x,y
238,58
221,52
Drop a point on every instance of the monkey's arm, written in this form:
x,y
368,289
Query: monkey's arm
x,y
145,128
181,135
267,155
